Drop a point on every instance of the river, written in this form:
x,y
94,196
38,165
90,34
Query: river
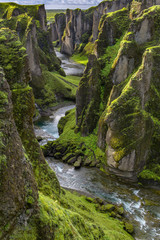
x,y
141,204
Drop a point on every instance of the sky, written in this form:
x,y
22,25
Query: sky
x,y
59,4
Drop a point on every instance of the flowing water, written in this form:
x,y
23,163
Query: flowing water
x,y
70,67
146,219
141,204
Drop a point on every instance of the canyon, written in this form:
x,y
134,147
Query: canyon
x,y
115,126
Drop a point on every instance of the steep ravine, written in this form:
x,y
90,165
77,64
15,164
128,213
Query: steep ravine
x,y
115,126
142,205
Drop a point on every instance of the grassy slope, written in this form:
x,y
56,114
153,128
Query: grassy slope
x,y
112,228
80,58
52,12
57,85
72,218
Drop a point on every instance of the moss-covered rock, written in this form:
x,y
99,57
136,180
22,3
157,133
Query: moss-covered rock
x,y
18,198
78,29
111,28
88,97
129,227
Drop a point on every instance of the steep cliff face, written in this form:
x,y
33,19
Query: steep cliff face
x,y
30,25
88,97
42,17
92,84
16,68
138,6
103,8
23,168
18,188
124,86
34,60
78,29
57,28
130,138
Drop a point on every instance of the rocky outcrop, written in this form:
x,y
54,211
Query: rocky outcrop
x,y
111,28
88,97
34,60
57,28
138,6
129,139
103,8
53,32
30,25
18,188
78,28
89,91
42,17
142,29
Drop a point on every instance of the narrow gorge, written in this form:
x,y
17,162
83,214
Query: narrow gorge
x,y
80,122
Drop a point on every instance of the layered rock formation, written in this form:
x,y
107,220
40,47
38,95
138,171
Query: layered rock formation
x,y
30,25
57,27
18,187
78,29
89,94
32,204
104,8
126,128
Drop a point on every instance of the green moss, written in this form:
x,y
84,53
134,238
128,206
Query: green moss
x,y
65,224
51,14
3,98
12,57
112,228
149,175
24,107
28,232
3,161
118,22
86,145
108,58
57,89
129,227
8,8
80,58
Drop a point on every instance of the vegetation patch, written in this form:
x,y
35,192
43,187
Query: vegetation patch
x,y
57,89
72,144
52,13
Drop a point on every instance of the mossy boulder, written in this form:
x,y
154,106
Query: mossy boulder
x,y
78,163
107,208
129,227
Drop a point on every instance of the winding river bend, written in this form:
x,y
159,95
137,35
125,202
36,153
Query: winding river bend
x,y
141,204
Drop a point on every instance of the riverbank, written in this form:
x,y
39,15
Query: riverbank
x,y
142,205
